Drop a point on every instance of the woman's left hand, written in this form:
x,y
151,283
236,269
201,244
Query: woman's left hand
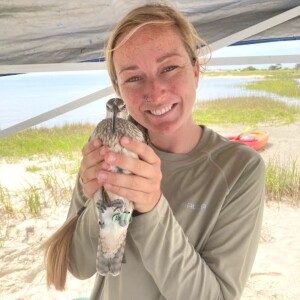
x,y
142,186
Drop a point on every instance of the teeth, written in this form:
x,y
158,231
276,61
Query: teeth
x,y
160,112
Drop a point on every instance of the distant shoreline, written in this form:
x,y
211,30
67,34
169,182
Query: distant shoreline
x,y
233,76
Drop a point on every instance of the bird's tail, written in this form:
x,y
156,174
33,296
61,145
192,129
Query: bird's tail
x,y
108,264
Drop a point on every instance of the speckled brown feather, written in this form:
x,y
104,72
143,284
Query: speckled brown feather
x,y
112,235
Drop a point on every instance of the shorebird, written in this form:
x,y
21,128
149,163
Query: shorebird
x,y
114,212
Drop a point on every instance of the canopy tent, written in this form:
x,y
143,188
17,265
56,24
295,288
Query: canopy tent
x,y
71,35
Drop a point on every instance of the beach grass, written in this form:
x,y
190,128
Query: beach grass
x,y
281,73
5,201
283,183
247,111
65,140
286,87
29,201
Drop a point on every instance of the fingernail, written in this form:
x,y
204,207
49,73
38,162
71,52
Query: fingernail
x,y
125,140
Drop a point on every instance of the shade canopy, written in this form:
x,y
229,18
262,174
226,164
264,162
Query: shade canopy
x,y
55,31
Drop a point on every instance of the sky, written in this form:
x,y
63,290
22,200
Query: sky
x,y
264,49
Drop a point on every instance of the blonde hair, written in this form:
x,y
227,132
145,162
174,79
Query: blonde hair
x,y
56,250
56,254
154,14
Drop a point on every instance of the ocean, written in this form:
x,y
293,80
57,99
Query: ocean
x,y
27,95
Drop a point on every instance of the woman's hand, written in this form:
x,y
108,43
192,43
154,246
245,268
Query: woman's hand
x,y
92,161
142,186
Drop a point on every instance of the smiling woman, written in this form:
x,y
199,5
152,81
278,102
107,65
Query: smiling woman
x,y
168,80
172,249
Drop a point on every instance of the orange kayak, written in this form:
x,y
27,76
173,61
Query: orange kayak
x,y
254,139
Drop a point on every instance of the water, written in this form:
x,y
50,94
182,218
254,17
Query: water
x,y
25,96
212,88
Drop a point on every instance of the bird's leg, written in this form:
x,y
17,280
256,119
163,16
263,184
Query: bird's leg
x,y
123,216
101,209
101,206
117,203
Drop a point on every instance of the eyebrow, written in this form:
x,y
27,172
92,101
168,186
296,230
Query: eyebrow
x,y
168,55
159,60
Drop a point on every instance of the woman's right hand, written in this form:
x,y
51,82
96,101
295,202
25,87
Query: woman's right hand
x,y
91,163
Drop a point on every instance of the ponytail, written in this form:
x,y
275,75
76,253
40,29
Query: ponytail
x,y
56,252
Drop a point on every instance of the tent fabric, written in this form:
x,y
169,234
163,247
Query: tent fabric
x,y
56,31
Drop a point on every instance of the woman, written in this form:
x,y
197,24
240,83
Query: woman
x,y
198,198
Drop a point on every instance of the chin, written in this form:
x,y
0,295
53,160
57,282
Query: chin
x,y
164,129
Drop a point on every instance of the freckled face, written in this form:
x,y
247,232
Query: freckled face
x,y
154,64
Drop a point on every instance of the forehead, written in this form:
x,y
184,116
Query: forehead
x,y
149,39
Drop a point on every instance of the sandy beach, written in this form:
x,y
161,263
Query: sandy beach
x,y
275,274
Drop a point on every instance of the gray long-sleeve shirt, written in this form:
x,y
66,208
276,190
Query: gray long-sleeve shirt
x,y
200,240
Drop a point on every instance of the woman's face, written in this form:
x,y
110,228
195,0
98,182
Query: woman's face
x,y
157,80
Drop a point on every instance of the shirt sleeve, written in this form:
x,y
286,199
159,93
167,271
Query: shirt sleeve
x,y
221,270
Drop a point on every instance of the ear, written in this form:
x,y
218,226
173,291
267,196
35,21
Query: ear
x,y
196,71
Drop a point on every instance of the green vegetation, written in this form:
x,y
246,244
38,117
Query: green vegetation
x,y
33,169
247,111
5,202
32,199
251,71
63,140
283,183
50,189
280,86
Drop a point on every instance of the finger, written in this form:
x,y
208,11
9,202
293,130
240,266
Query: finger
x,y
92,163
145,152
91,146
90,188
143,202
133,165
91,173
132,195
128,181
93,158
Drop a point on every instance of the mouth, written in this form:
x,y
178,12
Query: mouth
x,y
162,111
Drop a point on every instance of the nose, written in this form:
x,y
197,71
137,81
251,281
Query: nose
x,y
155,90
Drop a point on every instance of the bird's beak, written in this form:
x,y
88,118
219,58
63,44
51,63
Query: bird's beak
x,y
114,115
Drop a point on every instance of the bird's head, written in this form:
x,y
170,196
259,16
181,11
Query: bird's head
x,y
115,108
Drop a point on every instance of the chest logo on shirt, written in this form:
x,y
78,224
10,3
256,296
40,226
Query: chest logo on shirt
x,y
194,206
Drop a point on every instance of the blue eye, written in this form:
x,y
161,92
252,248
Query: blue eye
x,y
170,68
133,79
